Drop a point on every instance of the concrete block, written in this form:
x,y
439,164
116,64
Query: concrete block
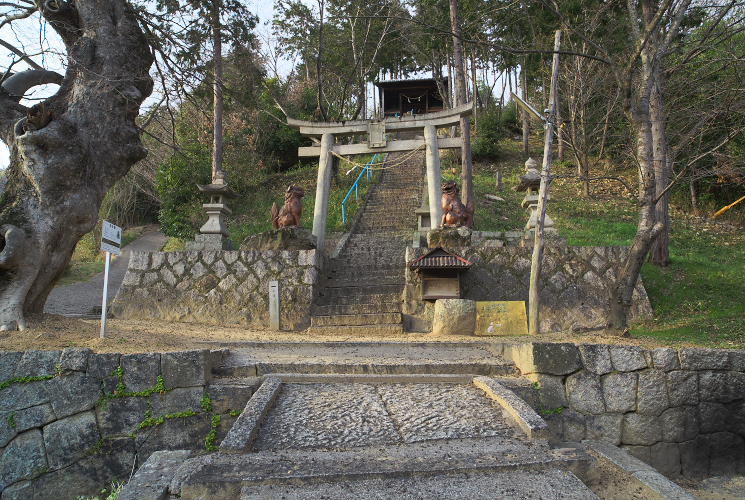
x,y
585,393
627,358
666,458
454,317
23,458
694,458
695,358
605,428
140,371
641,429
37,363
596,358
548,358
665,359
70,439
551,392
652,396
679,424
177,400
74,359
151,480
73,393
185,368
682,388
619,392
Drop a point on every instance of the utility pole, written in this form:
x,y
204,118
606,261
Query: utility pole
x,y
460,98
534,300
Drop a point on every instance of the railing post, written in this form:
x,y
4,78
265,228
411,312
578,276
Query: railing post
x,y
323,185
434,177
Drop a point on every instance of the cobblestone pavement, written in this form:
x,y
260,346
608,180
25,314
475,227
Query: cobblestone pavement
x,y
84,297
342,416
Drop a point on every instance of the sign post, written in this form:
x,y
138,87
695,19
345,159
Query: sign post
x,y
111,243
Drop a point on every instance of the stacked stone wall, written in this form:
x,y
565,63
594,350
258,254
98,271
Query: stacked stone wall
x,y
72,421
680,410
576,284
220,287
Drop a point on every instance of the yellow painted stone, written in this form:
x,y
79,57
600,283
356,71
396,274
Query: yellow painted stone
x,y
501,318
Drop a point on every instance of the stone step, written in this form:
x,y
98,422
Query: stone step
x,y
362,279
378,357
357,274
457,468
372,298
360,289
356,319
474,485
368,308
349,331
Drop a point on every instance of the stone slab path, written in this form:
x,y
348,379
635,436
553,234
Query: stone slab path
x,y
358,357
342,416
508,485
84,298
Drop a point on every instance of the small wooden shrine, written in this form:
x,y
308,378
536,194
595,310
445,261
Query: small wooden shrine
x,y
409,97
440,271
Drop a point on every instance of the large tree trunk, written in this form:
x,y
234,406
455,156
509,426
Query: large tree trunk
x,y
69,150
648,228
217,105
660,254
460,96
525,118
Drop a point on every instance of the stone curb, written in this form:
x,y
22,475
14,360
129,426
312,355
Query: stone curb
x,y
529,421
152,479
341,378
663,488
243,433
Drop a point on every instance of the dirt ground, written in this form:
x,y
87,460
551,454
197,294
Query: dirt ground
x,y
717,488
57,332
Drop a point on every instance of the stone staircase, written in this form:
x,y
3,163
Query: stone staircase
x,y
363,284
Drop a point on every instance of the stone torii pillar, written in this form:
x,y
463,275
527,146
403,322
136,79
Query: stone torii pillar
x,y
323,186
434,188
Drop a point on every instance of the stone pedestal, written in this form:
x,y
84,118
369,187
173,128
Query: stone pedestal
x,y
209,242
286,238
531,183
214,233
216,213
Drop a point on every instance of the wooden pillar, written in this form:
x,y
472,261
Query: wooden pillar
x,y
433,176
323,186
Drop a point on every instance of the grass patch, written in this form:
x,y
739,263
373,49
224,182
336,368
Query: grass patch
x,y
88,260
697,299
255,210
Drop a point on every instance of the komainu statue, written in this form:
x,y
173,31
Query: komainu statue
x,y
454,212
289,215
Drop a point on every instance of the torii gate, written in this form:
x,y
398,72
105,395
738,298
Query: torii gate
x,y
377,143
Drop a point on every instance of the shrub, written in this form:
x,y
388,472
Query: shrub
x,y
180,209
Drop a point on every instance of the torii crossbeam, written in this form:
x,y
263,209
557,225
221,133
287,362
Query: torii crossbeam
x,y
376,130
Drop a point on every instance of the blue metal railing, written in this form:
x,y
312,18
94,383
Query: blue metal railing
x,y
367,169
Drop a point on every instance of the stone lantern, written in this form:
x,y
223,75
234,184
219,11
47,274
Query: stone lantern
x,y
531,183
213,235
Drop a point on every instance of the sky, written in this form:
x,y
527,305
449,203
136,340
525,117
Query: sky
x,y
33,35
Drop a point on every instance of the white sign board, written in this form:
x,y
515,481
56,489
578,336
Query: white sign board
x,y
111,238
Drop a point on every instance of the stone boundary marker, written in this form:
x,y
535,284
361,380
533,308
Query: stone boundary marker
x,y
243,433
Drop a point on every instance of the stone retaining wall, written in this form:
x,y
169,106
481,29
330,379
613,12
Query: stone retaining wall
x,y
681,411
72,421
575,284
220,287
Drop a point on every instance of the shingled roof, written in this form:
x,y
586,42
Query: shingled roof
x,y
439,258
